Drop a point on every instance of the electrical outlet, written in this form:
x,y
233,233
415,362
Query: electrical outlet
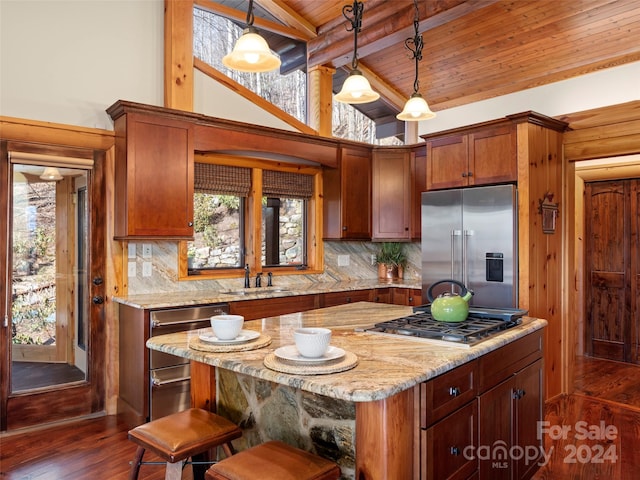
x,y
146,269
147,250
131,250
131,269
374,259
343,260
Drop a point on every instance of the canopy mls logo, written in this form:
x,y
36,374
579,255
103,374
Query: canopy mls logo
x,y
585,448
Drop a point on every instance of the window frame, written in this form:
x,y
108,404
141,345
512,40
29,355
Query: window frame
x,y
253,221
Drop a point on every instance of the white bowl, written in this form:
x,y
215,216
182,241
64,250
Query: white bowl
x,y
312,342
227,327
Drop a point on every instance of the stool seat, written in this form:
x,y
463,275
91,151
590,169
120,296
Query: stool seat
x,y
176,437
274,460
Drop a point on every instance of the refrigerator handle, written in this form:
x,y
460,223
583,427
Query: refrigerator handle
x,y
454,234
465,266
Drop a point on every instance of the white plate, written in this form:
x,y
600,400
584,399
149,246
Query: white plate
x,y
290,352
244,336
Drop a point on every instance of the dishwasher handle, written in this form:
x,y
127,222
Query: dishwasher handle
x,y
159,383
159,324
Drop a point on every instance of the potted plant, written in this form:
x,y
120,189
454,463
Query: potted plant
x,y
391,260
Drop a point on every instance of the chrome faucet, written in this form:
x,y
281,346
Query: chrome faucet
x,y
270,279
258,279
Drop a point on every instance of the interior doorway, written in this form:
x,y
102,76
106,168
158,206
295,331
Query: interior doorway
x,y
52,347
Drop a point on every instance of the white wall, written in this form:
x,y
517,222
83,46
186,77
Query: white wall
x,y
66,61
607,87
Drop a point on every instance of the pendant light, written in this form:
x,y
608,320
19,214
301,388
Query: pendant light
x,y
251,52
51,174
416,108
356,88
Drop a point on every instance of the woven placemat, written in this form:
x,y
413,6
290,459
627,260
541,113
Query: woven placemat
x,y
347,362
262,341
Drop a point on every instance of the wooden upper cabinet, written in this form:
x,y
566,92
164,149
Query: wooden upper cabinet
x,y
153,177
347,196
480,157
391,194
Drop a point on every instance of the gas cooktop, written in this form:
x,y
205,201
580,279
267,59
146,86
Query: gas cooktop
x,y
481,324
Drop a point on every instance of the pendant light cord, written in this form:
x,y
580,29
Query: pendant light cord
x,y
356,25
415,45
250,17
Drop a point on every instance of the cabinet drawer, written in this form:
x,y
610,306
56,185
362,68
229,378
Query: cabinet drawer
x,y
340,298
500,364
443,446
447,392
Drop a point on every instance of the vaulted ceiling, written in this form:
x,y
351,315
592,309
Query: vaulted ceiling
x,y
473,50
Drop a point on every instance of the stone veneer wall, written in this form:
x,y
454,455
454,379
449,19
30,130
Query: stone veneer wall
x,y
268,411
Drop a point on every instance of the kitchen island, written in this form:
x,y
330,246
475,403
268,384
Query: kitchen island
x,y
386,390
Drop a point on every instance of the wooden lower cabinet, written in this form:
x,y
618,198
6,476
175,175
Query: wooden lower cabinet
x,y
271,307
351,296
447,441
481,419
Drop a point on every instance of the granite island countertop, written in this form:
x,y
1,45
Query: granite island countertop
x,y
204,297
386,366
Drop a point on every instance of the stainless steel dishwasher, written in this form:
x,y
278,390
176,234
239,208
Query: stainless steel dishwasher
x,y
169,376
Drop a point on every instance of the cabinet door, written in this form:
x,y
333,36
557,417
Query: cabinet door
x,y
347,196
492,156
444,446
496,411
447,162
154,178
391,195
529,411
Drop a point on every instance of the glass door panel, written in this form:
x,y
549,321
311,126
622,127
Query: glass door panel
x,y
48,237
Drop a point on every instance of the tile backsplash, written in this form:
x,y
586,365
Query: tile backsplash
x,y
153,267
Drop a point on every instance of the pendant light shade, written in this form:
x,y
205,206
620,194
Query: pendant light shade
x,y
416,109
251,52
356,89
51,174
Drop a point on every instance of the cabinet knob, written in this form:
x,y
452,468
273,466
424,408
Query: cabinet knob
x,y
469,174
454,391
97,281
344,229
464,174
454,451
189,224
98,300
519,393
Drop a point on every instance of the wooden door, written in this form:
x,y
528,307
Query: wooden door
x,y
610,329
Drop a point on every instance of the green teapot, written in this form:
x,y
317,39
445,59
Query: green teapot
x,y
450,307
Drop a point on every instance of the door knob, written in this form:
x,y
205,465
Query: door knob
x,y
98,300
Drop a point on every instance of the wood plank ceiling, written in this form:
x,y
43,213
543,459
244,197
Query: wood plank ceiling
x,y
473,50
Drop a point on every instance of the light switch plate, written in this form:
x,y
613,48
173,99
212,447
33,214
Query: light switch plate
x,y
147,250
131,269
131,250
343,260
146,269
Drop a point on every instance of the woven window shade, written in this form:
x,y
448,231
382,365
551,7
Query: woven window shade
x,y
222,179
286,184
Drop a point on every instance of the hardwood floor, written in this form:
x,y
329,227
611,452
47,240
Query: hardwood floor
x,y
607,400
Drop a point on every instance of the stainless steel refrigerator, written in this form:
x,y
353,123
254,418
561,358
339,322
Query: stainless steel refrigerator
x,y
470,235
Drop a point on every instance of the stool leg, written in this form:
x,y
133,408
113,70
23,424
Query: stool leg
x,y
135,465
174,471
199,470
228,449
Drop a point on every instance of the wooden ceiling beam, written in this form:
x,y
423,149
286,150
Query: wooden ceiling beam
x,y
259,23
289,17
384,25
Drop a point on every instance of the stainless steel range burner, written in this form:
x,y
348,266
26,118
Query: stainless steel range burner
x,y
481,324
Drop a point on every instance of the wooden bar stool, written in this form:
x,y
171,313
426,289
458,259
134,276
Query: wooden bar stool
x,y
274,460
176,437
